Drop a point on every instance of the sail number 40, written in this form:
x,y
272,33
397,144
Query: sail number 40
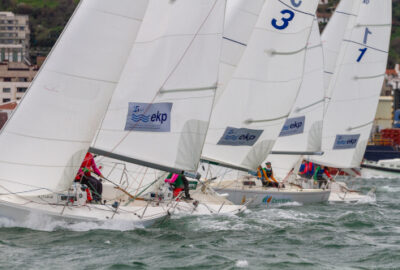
x,y
284,23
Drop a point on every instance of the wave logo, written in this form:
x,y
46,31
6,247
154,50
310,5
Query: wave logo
x,y
293,126
346,141
240,136
153,117
267,200
140,117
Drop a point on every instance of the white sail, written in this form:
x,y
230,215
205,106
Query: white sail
x,y
44,143
160,111
356,86
342,20
302,131
240,18
254,106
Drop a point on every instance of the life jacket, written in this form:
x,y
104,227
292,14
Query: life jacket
x,y
319,174
86,166
175,180
171,178
268,172
260,173
308,167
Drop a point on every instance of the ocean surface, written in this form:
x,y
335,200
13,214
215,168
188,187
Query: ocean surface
x,y
365,235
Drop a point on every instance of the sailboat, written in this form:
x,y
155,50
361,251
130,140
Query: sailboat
x,y
354,86
47,137
258,99
159,113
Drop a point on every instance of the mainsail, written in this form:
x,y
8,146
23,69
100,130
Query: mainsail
x,y
257,100
356,86
240,19
159,113
45,141
342,20
302,132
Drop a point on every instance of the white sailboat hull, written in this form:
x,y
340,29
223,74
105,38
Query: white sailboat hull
x,y
20,211
269,196
203,203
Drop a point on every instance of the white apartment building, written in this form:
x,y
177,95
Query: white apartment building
x,y
11,53
15,78
14,36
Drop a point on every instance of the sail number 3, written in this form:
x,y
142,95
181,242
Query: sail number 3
x,y
287,18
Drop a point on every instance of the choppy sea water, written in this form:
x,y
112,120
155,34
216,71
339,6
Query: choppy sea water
x,y
365,235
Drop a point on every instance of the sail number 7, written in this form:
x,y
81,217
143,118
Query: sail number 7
x,y
363,51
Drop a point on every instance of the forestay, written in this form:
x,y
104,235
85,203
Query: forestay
x,y
302,131
240,19
356,86
44,143
160,111
257,100
342,21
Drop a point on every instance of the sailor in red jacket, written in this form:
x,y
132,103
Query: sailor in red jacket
x,y
85,177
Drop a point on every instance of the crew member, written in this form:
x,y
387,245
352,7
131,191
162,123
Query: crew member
x,y
179,181
322,175
267,176
85,177
307,169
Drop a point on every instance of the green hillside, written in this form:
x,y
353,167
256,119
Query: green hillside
x,y
48,17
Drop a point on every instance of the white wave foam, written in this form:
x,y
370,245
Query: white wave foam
x,y
290,204
45,223
242,264
368,199
390,189
374,174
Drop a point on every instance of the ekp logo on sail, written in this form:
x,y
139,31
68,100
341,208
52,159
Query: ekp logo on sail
x,y
153,117
293,126
346,141
240,136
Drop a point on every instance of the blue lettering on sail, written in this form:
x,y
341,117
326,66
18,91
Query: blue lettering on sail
x,y
293,126
240,136
346,141
149,117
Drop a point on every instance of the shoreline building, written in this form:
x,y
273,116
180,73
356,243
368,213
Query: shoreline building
x,y
15,78
14,37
